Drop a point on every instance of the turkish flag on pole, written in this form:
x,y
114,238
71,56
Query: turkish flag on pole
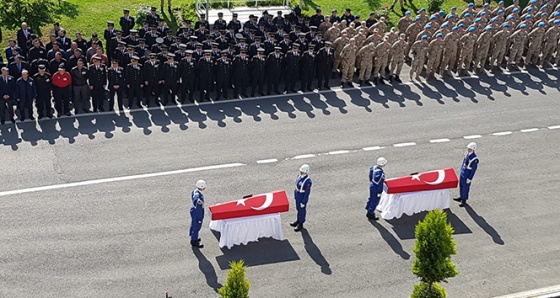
x,y
432,180
272,202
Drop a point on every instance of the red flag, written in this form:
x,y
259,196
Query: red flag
x,y
272,202
432,180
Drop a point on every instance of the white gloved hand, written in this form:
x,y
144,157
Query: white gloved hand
x,y
302,205
379,195
199,202
469,181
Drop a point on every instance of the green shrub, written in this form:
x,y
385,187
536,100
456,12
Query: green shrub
x,y
236,286
434,5
423,290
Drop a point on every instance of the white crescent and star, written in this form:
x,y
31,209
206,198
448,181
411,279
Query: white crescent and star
x,y
266,204
439,180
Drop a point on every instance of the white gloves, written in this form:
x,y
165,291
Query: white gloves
x,y
379,195
302,205
469,181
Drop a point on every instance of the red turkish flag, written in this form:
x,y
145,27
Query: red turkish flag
x,y
272,202
432,180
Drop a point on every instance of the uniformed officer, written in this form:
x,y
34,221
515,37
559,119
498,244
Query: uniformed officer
x,y
222,72
258,73
376,184
468,168
187,72
97,84
169,77
151,72
134,82
307,63
197,213
301,195
291,68
240,71
205,75
116,78
274,63
325,60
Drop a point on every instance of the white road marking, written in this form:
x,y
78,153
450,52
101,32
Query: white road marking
x,y
339,152
372,148
472,137
404,144
554,127
440,140
303,156
502,133
529,130
267,160
117,179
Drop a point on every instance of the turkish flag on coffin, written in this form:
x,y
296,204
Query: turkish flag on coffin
x,y
432,180
272,202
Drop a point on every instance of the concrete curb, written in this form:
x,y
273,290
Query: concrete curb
x,y
548,292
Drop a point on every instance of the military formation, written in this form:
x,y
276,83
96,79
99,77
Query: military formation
x,y
152,65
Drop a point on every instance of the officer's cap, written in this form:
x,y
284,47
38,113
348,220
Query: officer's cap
x,y
214,44
202,15
97,58
130,47
286,35
318,10
439,35
471,4
301,34
198,45
115,61
234,15
170,55
328,43
193,37
126,10
313,28
110,23
141,40
424,36
159,40
488,28
61,66
406,13
122,43
42,66
207,52
153,9
153,54
260,50
220,14
542,24
348,9
243,50
224,52
134,58
119,31
95,34
471,29
432,18
311,46
257,38
295,45
133,31
277,48
334,10
357,16
242,39
189,52
164,47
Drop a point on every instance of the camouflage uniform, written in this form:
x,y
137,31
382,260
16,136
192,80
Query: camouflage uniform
x,y
403,23
435,49
418,51
482,47
499,42
382,51
399,50
449,58
348,59
411,33
467,47
534,39
517,41
332,33
338,45
365,61
550,44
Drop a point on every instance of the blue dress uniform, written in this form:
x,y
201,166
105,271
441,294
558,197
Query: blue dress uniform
x,y
377,181
197,214
301,195
468,168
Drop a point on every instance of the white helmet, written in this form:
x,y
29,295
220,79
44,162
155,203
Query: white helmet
x,y
472,145
200,184
381,161
304,168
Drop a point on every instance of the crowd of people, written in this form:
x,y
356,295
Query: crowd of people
x,y
153,65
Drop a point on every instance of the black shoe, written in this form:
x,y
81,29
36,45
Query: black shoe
x,y
68,114
298,228
195,243
22,119
350,84
32,118
13,120
342,85
381,81
2,122
50,116
360,82
367,83
458,199
294,224
463,203
327,87
293,90
398,79
372,216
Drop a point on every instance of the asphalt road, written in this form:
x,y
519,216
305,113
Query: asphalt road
x,y
129,237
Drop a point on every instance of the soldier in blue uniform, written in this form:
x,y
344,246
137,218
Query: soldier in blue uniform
x,y
301,195
468,168
376,183
197,213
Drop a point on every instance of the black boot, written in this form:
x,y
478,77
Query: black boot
x,y
398,79
350,84
294,224
458,199
463,203
381,81
361,83
372,216
196,243
298,228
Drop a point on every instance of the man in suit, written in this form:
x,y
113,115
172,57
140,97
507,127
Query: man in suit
x,y
10,48
25,95
134,82
126,22
151,73
7,95
169,78
23,35
18,66
187,72
97,84
117,85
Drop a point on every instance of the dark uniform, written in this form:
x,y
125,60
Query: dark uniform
x,y
117,84
151,72
126,23
223,71
274,65
240,74
291,68
187,72
134,82
325,60
258,72
307,69
7,87
170,77
205,75
97,83
44,88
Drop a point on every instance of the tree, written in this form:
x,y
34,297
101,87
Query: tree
x,y
433,248
36,13
236,286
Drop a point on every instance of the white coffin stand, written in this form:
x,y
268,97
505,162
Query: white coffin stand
x,y
395,205
243,230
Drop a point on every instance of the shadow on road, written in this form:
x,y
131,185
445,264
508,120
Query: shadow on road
x,y
404,227
483,224
391,240
207,269
315,253
265,251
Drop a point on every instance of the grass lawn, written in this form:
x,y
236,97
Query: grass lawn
x,y
92,15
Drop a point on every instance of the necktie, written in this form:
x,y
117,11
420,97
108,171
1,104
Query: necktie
x,y
19,67
6,80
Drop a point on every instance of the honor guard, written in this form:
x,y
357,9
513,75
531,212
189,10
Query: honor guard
x,y
301,195
468,168
197,213
376,184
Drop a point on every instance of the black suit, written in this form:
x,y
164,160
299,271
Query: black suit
x,y
241,74
7,87
15,71
97,82
206,77
187,72
325,60
258,73
223,71
274,67
22,39
151,75
116,78
126,25
135,83
170,77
